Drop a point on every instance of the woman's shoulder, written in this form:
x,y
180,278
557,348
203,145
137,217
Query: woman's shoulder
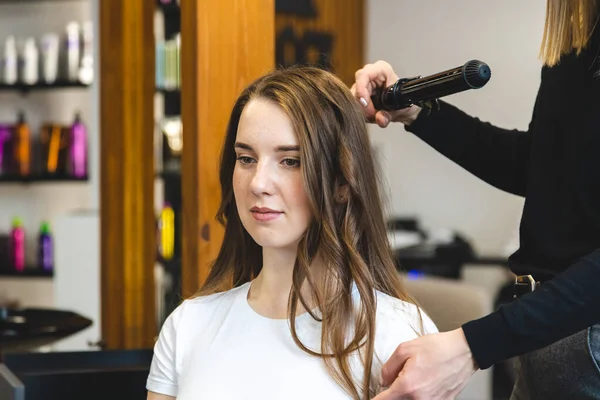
x,y
196,310
401,315
211,300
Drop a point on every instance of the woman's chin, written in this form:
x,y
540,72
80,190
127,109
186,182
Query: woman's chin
x,y
275,242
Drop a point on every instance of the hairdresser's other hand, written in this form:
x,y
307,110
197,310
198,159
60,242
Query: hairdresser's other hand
x,y
370,77
433,367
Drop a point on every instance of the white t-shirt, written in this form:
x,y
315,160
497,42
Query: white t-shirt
x,y
218,347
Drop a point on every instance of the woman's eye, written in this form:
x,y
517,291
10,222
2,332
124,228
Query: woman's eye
x,y
244,160
291,162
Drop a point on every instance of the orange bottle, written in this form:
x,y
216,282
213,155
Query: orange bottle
x,y
22,147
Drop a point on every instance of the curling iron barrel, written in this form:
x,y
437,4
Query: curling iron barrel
x,y
405,92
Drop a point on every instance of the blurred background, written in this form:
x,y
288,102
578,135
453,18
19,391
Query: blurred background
x,y
112,115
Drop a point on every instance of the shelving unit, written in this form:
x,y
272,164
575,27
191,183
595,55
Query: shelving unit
x,y
21,87
171,179
172,101
40,178
42,196
29,272
36,1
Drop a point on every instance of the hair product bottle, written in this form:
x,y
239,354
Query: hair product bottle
x,y
10,63
54,140
17,247
5,137
45,249
166,232
50,45
78,146
22,147
73,49
30,61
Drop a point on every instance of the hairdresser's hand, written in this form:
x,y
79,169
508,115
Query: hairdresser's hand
x,y
370,77
433,367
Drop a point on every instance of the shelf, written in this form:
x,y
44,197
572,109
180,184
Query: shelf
x,y
170,8
171,266
30,272
172,101
36,1
21,87
40,178
169,174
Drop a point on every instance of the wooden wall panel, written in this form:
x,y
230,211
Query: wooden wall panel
x,y
340,20
226,44
127,173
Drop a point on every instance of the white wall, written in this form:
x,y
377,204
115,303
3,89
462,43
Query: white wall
x,y
427,36
48,201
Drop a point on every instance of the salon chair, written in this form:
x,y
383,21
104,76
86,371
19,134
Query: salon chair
x,y
450,303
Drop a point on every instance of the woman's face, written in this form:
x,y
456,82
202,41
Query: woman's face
x,y
267,178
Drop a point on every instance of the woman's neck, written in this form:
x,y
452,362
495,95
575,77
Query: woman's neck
x,y
270,290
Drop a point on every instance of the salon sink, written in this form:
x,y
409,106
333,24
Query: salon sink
x,y
23,329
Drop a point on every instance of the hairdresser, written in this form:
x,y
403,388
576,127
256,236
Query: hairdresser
x,y
552,325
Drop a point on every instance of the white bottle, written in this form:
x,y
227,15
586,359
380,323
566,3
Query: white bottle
x,y
73,51
86,70
29,74
50,45
178,61
9,72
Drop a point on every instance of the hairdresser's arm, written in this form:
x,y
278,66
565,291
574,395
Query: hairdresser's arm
x,y
561,307
156,396
440,365
497,156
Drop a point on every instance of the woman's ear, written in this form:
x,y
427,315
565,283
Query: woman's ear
x,y
342,193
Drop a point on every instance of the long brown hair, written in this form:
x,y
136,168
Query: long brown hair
x,y
568,27
349,235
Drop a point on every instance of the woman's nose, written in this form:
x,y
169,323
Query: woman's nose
x,y
262,181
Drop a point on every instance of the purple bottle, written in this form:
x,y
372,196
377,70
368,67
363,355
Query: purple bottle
x,y
45,249
17,247
78,149
5,136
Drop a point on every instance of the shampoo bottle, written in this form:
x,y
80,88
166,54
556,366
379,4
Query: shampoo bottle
x,y
30,57
78,148
22,147
73,49
166,232
10,61
17,239
50,46
5,137
45,249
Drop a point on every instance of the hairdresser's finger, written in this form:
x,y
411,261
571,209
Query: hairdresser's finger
x,y
393,366
371,76
383,118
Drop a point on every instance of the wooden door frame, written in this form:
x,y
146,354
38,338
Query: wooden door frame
x,y
127,226
218,60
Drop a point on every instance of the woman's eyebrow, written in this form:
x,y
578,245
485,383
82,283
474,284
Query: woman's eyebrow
x,y
288,148
243,146
283,148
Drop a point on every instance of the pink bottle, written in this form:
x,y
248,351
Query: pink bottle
x,y
78,149
18,244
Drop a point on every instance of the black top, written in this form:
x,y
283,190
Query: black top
x,y
555,165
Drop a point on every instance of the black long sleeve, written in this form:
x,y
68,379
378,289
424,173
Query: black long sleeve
x,y
561,307
497,156
556,166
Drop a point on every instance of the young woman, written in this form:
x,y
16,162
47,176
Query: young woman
x,y
304,300
555,165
